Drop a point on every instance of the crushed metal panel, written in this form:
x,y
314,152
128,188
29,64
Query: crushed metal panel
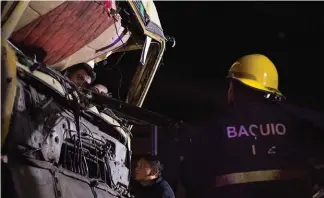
x,y
144,75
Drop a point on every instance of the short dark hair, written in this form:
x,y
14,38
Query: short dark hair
x,y
153,161
70,70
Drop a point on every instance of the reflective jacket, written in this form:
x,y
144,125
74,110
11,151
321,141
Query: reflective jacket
x,y
256,150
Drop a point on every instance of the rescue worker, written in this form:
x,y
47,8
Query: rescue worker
x,y
81,74
259,146
149,179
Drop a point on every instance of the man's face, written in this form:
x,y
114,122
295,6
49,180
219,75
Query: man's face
x,y
143,170
81,78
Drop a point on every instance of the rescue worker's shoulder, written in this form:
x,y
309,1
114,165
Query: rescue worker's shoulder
x,y
310,127
165,190
305,115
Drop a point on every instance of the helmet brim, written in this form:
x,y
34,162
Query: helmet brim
x,y
256,85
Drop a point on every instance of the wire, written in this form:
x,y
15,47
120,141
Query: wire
x,y
123,45
113,15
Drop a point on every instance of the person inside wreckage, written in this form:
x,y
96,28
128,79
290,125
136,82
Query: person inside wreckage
x,y
82,75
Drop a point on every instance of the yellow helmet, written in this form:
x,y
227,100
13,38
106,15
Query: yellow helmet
x,y
256,71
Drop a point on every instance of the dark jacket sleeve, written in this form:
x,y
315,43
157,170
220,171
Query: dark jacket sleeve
x,y
311,125
316,119
166,190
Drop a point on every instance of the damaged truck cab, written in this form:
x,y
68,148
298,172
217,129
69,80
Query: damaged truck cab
x,y
53,143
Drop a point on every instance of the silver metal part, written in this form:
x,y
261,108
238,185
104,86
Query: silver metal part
x,y
46,132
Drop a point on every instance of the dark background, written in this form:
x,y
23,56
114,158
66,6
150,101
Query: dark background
x,y
210,36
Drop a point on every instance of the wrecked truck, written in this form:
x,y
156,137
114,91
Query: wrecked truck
x,y
54,141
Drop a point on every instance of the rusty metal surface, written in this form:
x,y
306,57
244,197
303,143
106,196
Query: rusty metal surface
x,y
8,87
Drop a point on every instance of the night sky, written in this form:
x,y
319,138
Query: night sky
x,y
210,36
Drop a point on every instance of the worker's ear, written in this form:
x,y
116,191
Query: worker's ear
x,y
154,172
